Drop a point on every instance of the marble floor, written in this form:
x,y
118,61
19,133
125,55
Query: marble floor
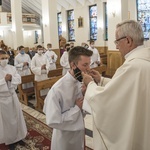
x,y
41,117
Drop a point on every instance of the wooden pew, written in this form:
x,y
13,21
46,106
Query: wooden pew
x,y
54,73
40,85
101,69
24,93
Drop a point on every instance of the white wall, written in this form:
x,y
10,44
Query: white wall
x,y
132,9
8,36
29,38
81,34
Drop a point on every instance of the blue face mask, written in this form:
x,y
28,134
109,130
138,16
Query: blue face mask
x,y
22,52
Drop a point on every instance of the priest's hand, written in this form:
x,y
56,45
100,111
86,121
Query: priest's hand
x,y
79,102
8,77
95,75
86,78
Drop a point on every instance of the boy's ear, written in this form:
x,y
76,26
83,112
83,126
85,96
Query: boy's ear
x,y
72,65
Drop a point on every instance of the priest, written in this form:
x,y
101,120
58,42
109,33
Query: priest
x,y
121,106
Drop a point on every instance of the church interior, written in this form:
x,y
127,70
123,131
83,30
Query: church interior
x,y
38,22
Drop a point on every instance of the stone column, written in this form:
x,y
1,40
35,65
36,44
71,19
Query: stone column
x,y
50,26
16,12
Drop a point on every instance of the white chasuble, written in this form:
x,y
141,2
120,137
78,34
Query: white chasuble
x,y
121,109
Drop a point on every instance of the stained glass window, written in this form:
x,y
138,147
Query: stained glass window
x,y
106,22
71,35
143,16
59,19
93,22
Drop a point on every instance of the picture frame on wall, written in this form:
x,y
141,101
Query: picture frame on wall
x,y
80,22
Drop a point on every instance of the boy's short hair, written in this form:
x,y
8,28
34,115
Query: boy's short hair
x,y
67,44
39,46
76,52
92,41
49,44
20,47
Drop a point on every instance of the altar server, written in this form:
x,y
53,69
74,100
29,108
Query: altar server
x,y
40,67
64,60
95,59
63,104
22,64
51,56
12,124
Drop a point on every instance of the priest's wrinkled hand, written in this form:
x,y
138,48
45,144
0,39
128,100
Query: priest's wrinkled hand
x,y
8,77
86,78
79,102
95,75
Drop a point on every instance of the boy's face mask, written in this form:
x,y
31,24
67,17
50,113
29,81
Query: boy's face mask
x,y
78,74
3,62
40,52
22,52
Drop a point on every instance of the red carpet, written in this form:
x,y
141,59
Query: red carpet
x,y
38,138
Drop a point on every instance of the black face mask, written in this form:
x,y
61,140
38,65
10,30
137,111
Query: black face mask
x,y
77,74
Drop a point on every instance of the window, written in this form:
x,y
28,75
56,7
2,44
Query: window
x,y
93,22
59,19
71,35
106,22
36,37
143,16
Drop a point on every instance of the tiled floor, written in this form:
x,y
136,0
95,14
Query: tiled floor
x,y
41,117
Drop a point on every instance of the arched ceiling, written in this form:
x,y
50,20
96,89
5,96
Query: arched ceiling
x,y
34,6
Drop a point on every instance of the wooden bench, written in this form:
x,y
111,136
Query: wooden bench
x,y
40,85
54,73
24,93
101,69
